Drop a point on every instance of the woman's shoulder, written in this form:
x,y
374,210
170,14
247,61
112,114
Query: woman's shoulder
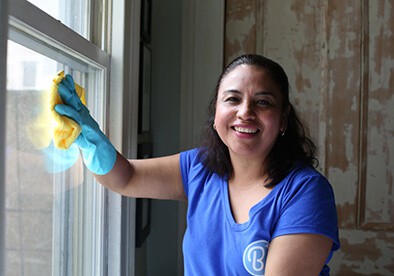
x,y
193,171
305,171
190,156
190,161
305,177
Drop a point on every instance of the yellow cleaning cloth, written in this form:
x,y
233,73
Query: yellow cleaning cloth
x,y
66,130
49,124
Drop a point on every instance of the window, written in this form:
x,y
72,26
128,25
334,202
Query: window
x,y
29,74
51,207
57,217
74,14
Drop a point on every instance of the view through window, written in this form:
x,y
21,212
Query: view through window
x,y
55,212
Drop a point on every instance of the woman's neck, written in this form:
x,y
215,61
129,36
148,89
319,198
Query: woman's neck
x,y
247,171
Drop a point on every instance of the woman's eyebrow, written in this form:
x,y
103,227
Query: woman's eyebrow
x,y
265,93
232,91
258,94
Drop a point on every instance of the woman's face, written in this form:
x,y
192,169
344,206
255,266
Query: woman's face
x,y
249,115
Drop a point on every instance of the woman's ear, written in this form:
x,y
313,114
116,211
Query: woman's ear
x,y
285,116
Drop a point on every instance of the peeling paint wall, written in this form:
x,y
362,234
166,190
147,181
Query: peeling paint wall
x,y
339,56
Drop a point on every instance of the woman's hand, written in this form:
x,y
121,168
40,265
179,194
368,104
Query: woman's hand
x,y
99,155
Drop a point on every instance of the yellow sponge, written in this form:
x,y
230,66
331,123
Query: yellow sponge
x,y
49,125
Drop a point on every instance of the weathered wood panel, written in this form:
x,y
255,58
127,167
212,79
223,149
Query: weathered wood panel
x,y
343,105
379,122
240,28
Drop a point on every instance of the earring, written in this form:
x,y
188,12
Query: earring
x,y
214,126
283,133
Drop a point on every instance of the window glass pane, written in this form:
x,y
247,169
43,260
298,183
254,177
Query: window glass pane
x,y
54,209
72,13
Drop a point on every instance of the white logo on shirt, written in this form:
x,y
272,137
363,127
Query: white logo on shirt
x,y
255,256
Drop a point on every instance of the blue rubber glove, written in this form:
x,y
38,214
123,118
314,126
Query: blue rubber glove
x,y
99,155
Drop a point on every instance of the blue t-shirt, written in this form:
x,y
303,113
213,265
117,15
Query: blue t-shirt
x,y
214,244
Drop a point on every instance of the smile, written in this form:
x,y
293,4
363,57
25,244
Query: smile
x,y
246,130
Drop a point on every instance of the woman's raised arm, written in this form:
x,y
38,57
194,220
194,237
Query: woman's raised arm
x,y
152,178
158,178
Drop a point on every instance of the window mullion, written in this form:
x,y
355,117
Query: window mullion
x,y
100,24
3,78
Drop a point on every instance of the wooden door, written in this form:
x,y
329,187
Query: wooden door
x,y
339,56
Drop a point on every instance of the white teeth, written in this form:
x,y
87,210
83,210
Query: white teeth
x,y
245,130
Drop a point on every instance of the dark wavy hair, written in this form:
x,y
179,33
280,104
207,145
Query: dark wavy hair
x,y
293,148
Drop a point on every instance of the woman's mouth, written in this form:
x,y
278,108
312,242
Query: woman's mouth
x,y
246,130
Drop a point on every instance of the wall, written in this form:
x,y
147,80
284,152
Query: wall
x,y
340,61
162,244
187,48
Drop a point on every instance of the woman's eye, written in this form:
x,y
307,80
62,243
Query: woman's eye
x,y
232,99
264,103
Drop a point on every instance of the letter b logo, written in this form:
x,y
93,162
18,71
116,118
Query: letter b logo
x,y
255,256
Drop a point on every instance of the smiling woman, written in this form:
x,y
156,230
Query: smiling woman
x,y
252,86
269,189
248,120
255,201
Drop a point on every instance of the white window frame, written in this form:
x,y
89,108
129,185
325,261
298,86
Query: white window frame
x,y
3,80
123,128
123,35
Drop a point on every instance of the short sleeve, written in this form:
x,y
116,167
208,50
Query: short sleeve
x,y
188,160
308,206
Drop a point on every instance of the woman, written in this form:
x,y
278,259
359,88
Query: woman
x,y
256,205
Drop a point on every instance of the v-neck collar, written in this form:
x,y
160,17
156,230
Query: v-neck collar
x,y
227,206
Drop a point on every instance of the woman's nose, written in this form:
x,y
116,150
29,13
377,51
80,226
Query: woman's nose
x,y
246,111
